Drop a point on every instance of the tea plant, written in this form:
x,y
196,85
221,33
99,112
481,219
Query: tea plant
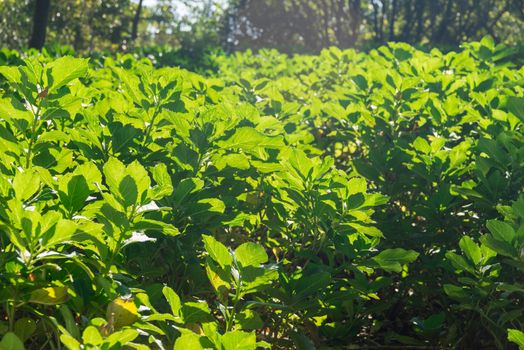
x,y
346,199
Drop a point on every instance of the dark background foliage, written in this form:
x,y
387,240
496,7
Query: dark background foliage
x,y
192,28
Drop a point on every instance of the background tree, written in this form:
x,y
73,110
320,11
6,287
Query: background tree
x,y
289,25
136,20
193,27
40,19
308,26
15,23
447,22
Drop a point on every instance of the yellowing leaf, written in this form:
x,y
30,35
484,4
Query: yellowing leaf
x,y
121,312
49,296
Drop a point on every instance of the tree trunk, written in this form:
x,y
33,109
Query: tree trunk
x,y
136,20
375,21
340,34
356,20
407,25
325,9
392,20
442,33
40,19
383,17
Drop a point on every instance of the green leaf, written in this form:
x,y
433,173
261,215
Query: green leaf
x,y
12,74
128,190
70,322
370,231
471,249
15,112
173,300
422,145
141,178
92,336
249,320
456,292
360,81
501,231
392,260
70,342
459,262
114,171
256,278
249,138
131,82
488,42
208,205
517,337
188,341
302,342
434,322
130,183
156,225
219,278
24,328
63,70
121,337
217,251
233,160
308,285
91,174
238,340
49,296
498,246
515,106
26,184
73,192
251,254
61,232
195,312
186,187
123,136
164,185
11,342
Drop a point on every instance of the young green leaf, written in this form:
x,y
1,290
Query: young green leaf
x,y
251,254
188,341
501,231
73,191
26,184
238,340
173,300
217,251
11,342
63,70
517,337
471,249
248,138
392,259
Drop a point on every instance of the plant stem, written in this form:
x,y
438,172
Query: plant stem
x,y
36,116
11,310
120,239
150,126
231,317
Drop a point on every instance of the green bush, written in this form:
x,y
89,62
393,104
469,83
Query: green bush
x,y
326,201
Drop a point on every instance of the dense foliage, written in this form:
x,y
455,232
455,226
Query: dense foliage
x,y
310,202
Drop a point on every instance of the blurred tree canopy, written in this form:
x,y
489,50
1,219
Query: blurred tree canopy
x,y
309,25
89,25
194,27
